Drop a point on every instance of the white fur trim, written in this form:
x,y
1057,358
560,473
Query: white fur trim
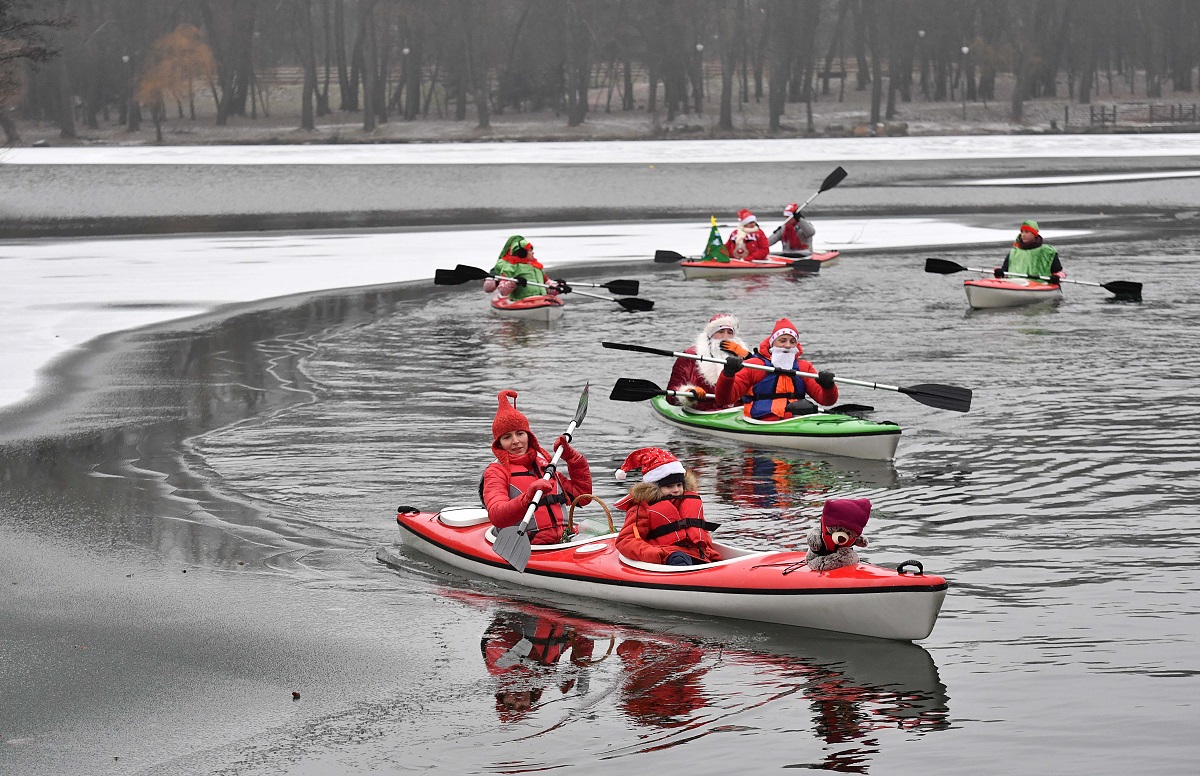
x,y
657,473
785,330
620,474
712,372
726,321
750,219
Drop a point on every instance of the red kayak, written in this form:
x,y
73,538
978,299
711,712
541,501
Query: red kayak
x,y
773,586
531,308
695,268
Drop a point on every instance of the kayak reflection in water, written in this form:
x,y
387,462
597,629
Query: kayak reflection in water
x,y
700,377
525,650
510,481
664,517
662,683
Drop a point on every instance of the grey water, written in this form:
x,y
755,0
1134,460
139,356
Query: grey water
x,y
224,488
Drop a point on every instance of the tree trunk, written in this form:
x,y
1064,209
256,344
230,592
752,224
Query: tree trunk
x,y
778,43
366,34
871,11
349,100
10,128
728,50
476,64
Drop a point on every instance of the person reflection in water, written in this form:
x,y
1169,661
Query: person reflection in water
x,y
662,684
524,651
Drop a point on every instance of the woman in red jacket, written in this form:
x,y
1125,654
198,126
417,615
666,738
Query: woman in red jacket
x,y
773,396
511,480
700,377
748,242
664,517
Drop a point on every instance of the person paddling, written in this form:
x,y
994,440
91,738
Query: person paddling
x,y
796,233
700,377
1031,256
519,267
511,480
664,517
770,395
747,242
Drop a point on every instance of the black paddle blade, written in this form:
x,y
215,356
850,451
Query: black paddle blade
x,y
636,348
806,265
1125,289
850,409
513,545
632,389
942,267
834,178
622,287
944,397
448,277
471,273
668,257
636,305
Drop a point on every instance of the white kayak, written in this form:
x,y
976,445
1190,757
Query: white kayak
x,y
531,308
988,293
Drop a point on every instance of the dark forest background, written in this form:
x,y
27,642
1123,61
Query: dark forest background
x,y
78,63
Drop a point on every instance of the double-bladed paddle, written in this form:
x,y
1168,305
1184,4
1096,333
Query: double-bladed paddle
x,y
799,265
945,397
633,389
512,543
465,273
1126,289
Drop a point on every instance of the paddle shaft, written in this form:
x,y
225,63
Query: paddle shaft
x,y
1036,277
781,370
550,469
573,291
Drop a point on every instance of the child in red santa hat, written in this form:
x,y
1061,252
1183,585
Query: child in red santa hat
x,y
748,242
831,543
664,517
718,339
511,480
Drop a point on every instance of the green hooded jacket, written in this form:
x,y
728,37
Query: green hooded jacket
x,y
515,269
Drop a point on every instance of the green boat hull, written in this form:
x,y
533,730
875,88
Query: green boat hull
x,y
824,433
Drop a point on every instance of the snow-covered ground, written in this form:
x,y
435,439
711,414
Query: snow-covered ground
x,y
60,294
635,151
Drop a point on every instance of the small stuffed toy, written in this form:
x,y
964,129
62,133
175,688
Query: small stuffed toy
x,y
831,544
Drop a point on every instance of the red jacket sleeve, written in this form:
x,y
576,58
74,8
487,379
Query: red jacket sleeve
x,y
681,375
822,396
502,510
762,246
730,390
579,475
631,544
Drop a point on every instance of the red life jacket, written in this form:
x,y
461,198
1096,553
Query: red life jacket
x,y
792,239
677,521
549,512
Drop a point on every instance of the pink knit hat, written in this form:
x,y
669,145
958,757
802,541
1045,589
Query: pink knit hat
x,y
848,513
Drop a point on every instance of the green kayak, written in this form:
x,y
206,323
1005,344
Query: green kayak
x,y
827,433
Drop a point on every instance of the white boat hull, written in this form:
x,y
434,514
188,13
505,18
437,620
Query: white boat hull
x,y
986,296
900,615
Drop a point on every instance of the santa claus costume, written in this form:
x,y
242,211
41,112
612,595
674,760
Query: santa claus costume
x,y
700,377
748,242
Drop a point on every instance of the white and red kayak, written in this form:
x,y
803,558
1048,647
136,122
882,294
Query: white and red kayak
x,y
760,585
531,308
696,268
987,293
826,259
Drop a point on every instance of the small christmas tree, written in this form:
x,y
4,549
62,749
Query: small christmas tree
x,y
715,250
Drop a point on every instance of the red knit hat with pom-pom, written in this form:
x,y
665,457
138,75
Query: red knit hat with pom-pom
x,y
508,418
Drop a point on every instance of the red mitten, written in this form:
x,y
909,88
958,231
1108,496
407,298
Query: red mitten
x,y
544,486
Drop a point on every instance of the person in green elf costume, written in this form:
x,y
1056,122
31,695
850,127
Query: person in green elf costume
x,y
1031,256
519,268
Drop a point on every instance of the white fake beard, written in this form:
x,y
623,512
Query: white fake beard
x,y
783,358
712,349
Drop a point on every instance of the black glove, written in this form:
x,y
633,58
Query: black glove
x,y
733,365
998,273
801,407
563,288
825,379
522,282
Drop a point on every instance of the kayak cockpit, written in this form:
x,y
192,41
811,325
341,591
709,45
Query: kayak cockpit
x,y
729,556
468,517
